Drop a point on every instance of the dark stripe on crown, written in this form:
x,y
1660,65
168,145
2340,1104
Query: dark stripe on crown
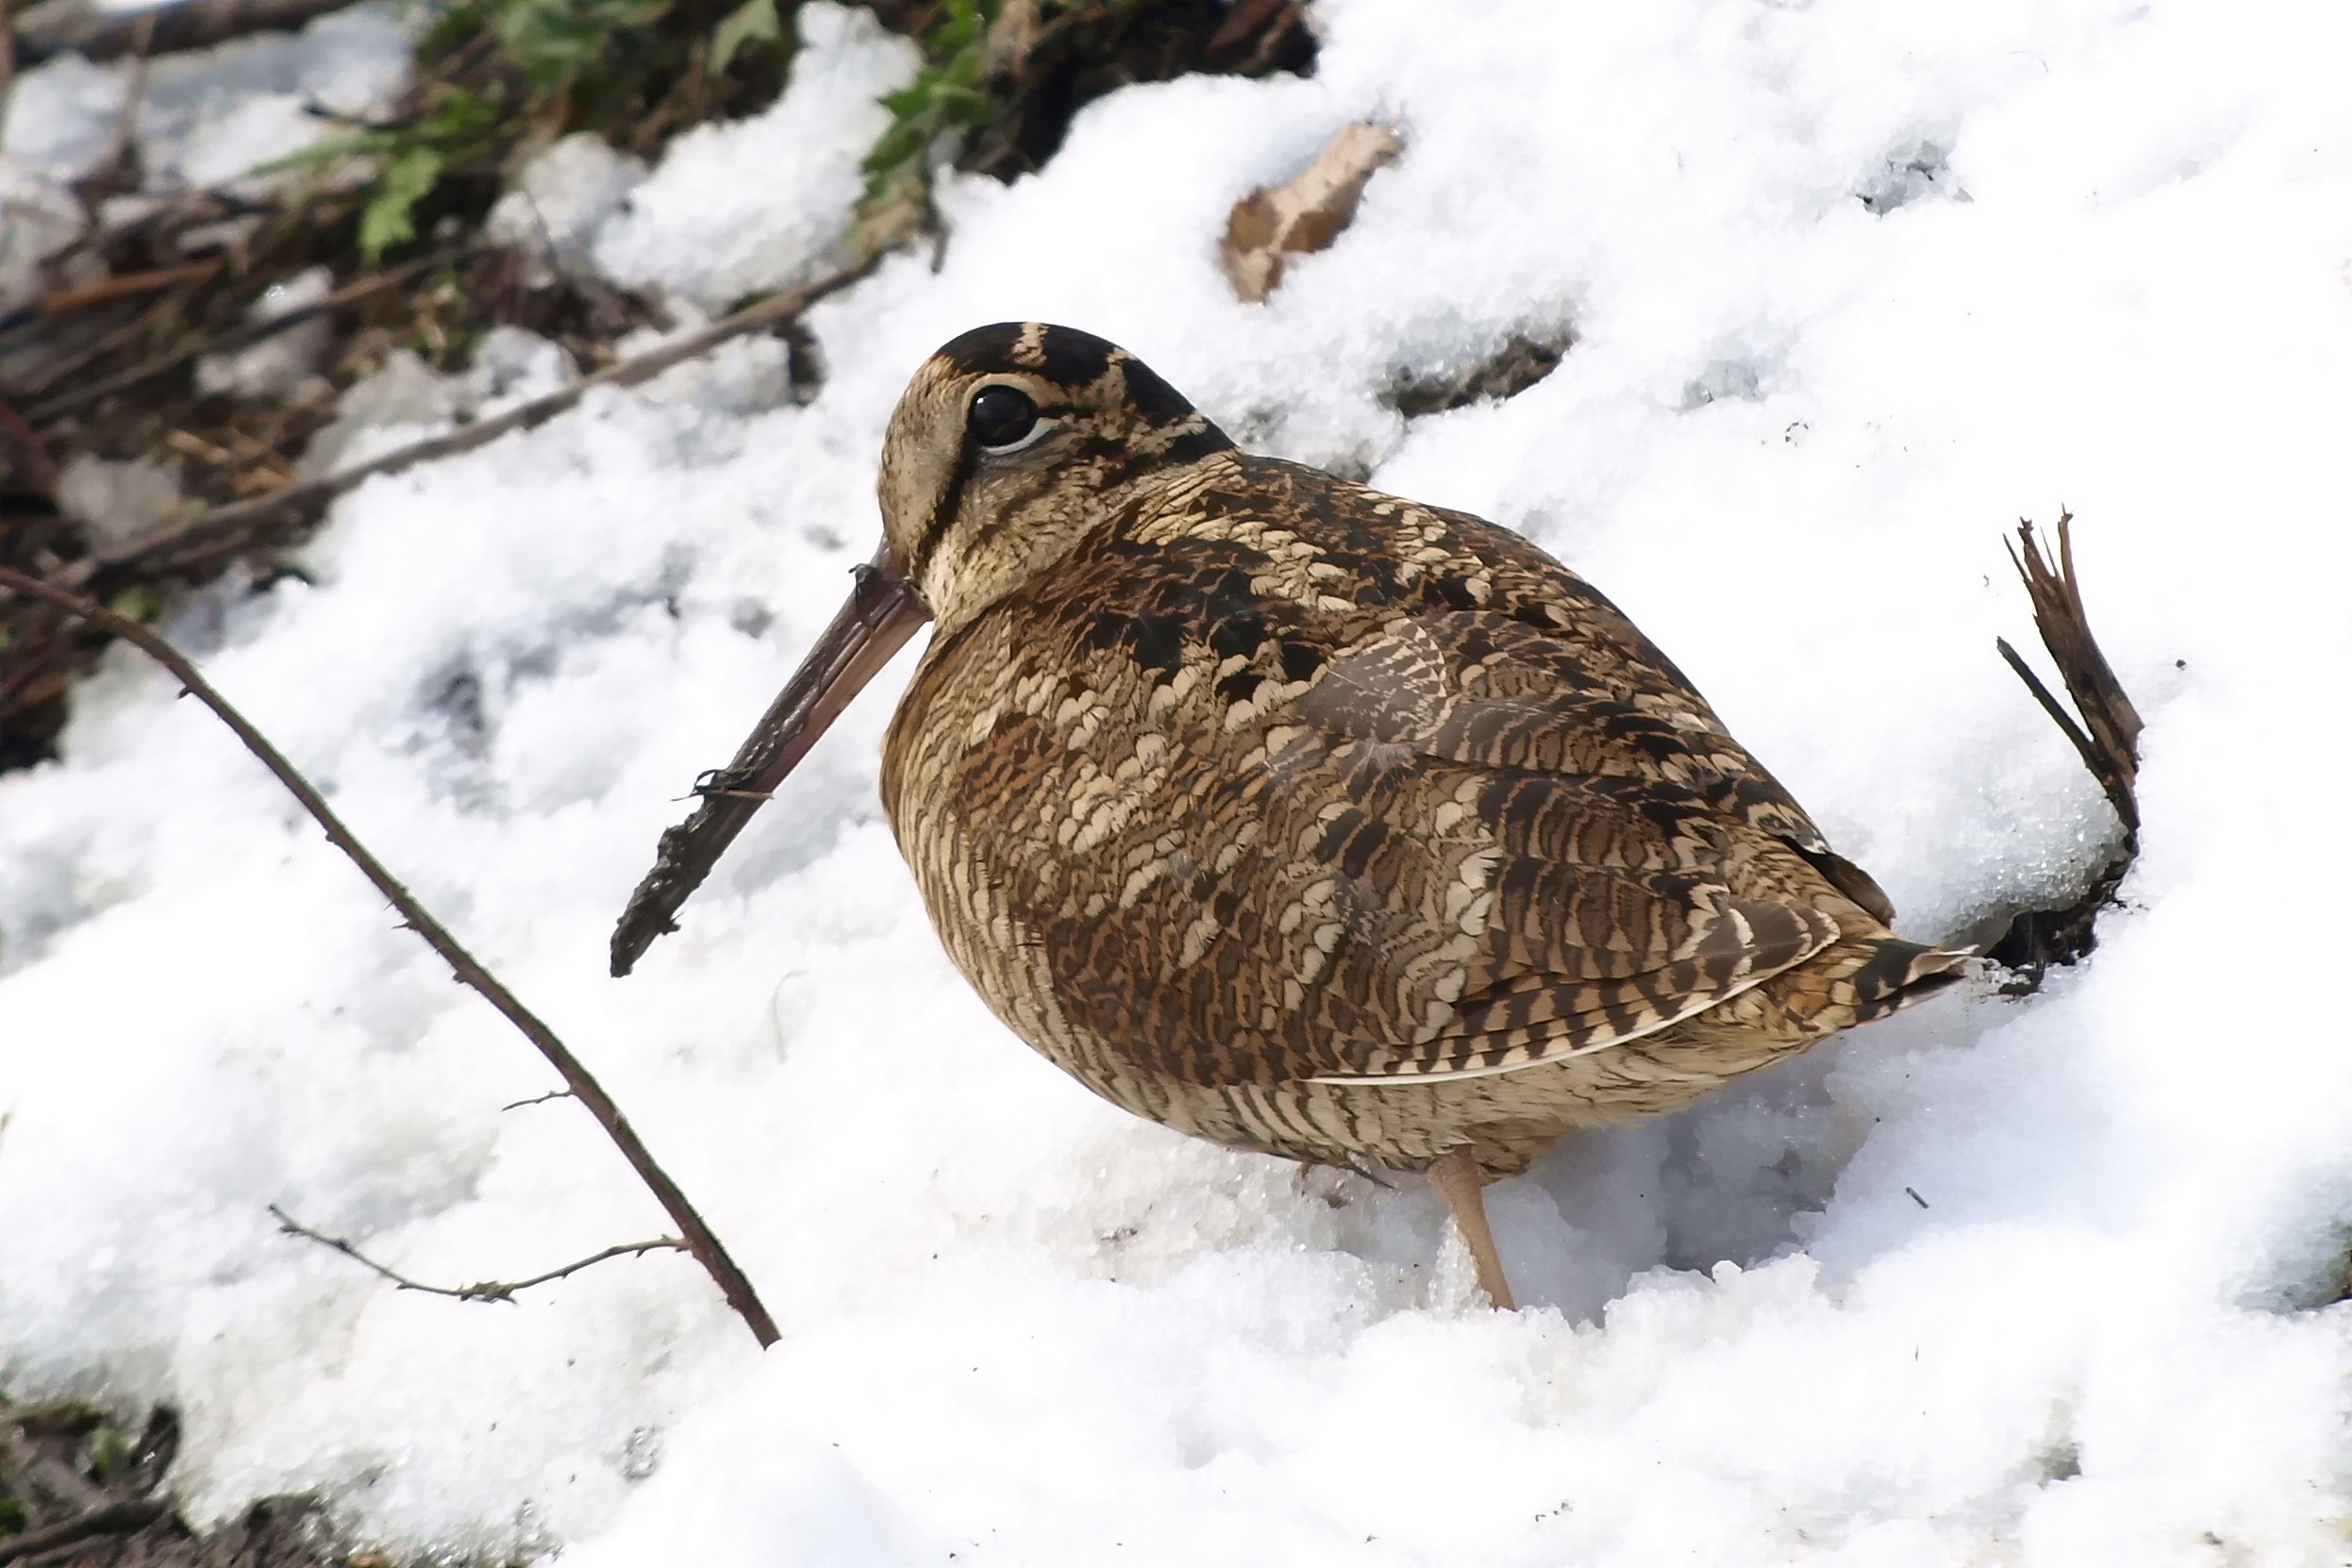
x,y
1068,358
983,349
1156,401
1075,362
1075,358
1062,355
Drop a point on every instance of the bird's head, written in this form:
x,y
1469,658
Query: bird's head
x,y
1010,445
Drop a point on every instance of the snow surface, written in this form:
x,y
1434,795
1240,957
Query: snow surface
x,y
1853,285
207,122
204,121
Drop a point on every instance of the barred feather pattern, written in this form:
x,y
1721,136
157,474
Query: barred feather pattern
x,y
1309,819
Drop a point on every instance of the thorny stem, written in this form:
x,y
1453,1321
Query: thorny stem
x,y
488,1290
699,1238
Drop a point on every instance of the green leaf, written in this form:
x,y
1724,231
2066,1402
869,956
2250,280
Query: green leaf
x,y
138,601
550,37
333,147
110,1451
453,25
898,144
405,180
547,40
461,114
755,21
944,97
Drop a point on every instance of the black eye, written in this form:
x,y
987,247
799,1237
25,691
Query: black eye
x,y
1000,416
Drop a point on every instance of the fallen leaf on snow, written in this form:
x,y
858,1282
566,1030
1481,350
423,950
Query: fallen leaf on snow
x,y
1305,215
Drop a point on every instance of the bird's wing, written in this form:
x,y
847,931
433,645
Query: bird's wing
x,y
1450,841
1355,908
1603,842
1491,690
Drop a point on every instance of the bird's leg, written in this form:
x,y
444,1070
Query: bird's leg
x,y
1457,1176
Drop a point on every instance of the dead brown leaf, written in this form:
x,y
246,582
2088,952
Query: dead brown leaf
x,y
1307,214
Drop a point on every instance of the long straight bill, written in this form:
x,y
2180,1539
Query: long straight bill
x,y
876,623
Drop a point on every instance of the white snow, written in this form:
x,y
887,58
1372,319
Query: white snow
x,y
56,123
756,204
204,121
208,120
60,117
279,364
564,198
2111,267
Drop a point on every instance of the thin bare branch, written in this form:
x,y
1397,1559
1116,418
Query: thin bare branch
x,y
699,1237
538,1099
207,528
488,1290
99,35
2050,703
71,365
226,343
66,301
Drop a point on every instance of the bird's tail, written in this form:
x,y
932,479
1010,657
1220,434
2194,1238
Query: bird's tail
x,y
1896,974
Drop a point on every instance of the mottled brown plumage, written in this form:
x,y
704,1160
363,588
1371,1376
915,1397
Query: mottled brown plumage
x,y
1314,821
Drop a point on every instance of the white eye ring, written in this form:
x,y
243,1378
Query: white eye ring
x,y
1044,422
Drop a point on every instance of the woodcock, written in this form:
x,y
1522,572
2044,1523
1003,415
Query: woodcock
x,y
1300,817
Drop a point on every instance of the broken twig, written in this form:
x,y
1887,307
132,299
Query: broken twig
x,y
699,1238
66,301
488,1290
2107,739
2111,749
